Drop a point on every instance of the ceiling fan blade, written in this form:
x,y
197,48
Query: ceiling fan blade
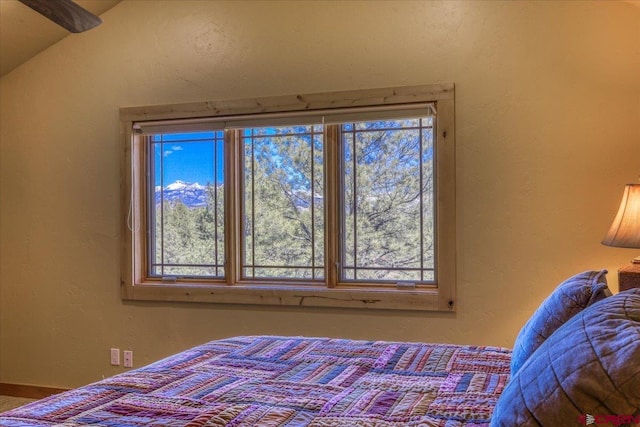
x,y
65,13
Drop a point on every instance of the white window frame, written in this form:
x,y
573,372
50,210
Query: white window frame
x,y
437,297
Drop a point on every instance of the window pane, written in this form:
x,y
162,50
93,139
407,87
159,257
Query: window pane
x,y
387,213
187,192
283,214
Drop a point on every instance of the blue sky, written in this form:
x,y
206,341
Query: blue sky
x,y
199,156
189,160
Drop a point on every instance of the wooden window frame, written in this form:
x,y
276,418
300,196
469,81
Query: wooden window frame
x,y
437,297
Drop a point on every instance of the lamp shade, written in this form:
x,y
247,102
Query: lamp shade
x,y
625,229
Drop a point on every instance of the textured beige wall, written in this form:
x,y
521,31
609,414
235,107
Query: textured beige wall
x,y
548,132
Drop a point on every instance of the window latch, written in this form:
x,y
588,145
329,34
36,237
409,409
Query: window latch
x,y
405,285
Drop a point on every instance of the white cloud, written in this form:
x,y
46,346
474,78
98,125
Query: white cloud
x,y
172,150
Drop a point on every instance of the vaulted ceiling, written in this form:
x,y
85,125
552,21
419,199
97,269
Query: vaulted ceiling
x,y
24,32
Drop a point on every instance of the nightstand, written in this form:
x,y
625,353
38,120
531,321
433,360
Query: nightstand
x,y
629,277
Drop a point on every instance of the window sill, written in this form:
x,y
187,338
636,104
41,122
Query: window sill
x,y
299,296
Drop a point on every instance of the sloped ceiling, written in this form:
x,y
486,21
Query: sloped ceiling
x,y
24,32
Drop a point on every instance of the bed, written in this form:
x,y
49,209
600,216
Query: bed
x,y
578,356
290,381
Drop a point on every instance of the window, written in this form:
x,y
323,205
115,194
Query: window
x,y
282,203
387,201
186,219
342,199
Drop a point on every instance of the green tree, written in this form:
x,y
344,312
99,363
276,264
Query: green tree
x,y
388,205
284,222
191,238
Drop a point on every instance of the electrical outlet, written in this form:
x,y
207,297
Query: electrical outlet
x,y
128,359
115,356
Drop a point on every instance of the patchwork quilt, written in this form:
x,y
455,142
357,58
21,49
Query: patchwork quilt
x,y
289,381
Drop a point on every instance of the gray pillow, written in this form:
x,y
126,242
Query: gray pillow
x,y
569,298
589,367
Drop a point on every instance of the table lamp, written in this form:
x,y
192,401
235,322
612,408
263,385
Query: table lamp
x,y
625,233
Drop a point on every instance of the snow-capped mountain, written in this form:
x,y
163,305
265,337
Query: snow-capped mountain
x,y
192,195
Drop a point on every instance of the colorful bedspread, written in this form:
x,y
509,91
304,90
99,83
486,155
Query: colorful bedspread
x,y
289,381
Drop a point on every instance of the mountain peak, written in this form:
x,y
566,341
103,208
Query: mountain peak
x,y
181,185
191,194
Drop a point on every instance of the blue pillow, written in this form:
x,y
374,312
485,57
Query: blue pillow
x,y
586,372
569,298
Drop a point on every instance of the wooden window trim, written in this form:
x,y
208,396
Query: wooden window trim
x,y
440,297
